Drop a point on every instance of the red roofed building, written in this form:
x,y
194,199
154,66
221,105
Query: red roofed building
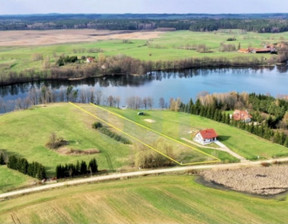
x,y
206,136
90,59
241,115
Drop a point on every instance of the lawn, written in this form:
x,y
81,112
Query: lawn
x,y
27,132
169,46
178,125
161,199
11,179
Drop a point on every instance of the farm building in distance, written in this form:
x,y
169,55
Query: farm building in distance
x,y
206,136
268,49
241,115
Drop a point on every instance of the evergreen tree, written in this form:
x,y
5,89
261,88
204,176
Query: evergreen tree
x,y
23,166
13,162
277,138
197,107
41,174
93,167
190,106
2,159
83,168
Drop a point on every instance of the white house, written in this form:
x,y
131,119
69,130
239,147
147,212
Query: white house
x,y
206,136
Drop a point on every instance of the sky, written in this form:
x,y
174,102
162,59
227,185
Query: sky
x,y
142,6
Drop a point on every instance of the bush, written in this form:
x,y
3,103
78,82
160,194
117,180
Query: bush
x,y
97,125
151,159
55,142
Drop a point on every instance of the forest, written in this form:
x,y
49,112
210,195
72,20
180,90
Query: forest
x,y
262,23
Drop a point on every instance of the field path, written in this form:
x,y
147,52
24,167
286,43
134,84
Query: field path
x,y
118,176
222,148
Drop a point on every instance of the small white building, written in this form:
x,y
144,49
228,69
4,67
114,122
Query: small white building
x,y
205,137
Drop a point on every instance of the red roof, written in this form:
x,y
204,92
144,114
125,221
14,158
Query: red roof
x,y
208,134
241,115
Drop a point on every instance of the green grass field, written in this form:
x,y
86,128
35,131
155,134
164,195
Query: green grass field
x,y
26,133
161,199
178,125
11,179
169,46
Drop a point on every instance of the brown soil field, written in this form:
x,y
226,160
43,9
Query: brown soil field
x,y
255,180
68,151
48,37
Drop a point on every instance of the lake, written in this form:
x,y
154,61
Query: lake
x,y
185,84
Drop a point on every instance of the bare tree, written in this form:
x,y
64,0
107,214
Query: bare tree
x,y
98,97
162,102
110,101
117,101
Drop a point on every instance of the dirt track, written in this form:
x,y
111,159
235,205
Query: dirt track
x,y
48,37
117,176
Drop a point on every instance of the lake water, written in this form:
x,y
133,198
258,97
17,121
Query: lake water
x,y
187,84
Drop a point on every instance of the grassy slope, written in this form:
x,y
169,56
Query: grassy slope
x,y
181,153
11,179
164,48
178,125
162,199
26,133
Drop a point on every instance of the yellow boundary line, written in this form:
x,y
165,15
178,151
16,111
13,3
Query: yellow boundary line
x,y
159,133
138,140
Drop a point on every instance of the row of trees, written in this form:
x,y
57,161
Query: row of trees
x,y
80,168
124,65
33,169
111,134
263,130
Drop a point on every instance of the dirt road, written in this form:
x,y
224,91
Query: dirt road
x,y
118,176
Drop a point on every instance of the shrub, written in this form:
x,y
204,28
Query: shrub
x,y
55,142
265,164
97,125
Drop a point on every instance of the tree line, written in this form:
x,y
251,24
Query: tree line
x,y
104,130
124,65
214,112
80,168
264,23
33,169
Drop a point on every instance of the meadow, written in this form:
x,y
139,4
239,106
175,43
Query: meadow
x,y
178,125
25,133
161,47
158,199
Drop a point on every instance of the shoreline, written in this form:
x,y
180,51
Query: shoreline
x,y
23,80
